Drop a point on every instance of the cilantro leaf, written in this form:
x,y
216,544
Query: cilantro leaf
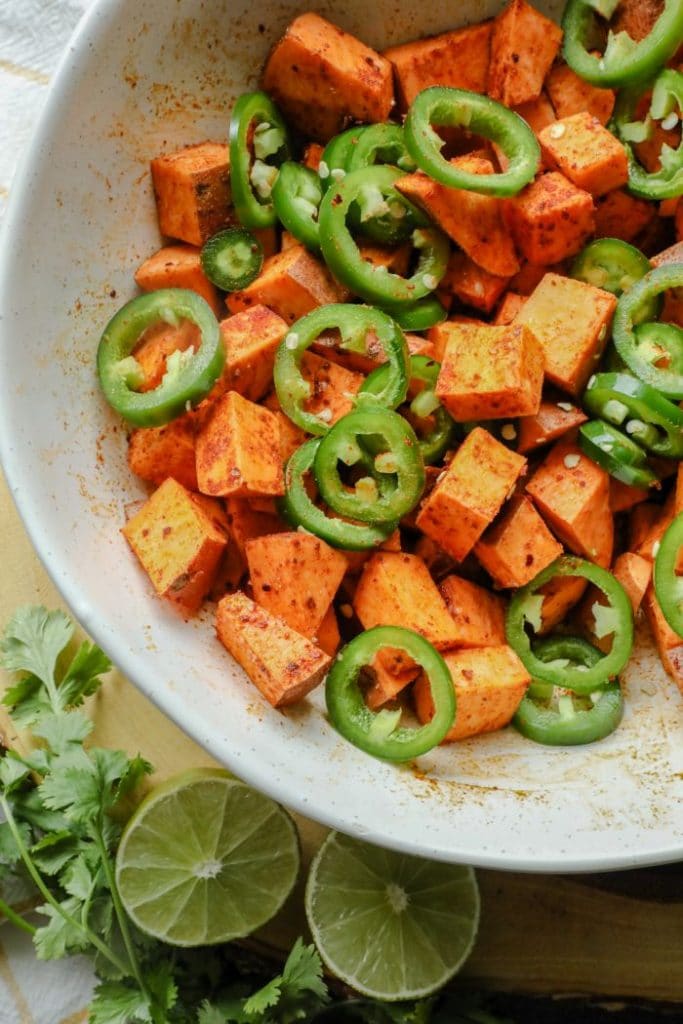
x,y
61,935
115,1002
82,677
9,851
299,989
53,851
33,640
13,772
59,731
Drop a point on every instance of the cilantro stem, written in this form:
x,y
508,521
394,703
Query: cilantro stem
x,y
93,939
16,919
120,912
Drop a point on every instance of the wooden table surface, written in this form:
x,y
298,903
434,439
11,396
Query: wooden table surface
x,y
618,936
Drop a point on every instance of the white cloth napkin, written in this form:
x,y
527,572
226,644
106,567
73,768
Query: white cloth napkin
x,y
33,35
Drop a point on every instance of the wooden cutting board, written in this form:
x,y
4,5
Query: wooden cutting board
x,y
616,936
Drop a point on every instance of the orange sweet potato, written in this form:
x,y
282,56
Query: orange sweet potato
x,y
238,450
291,283
322,77
155,453
518,546
552,421
524,44
178,266
470,283
457,59
570,94
585,152
192,191
550,219
619,215
479,615
251,339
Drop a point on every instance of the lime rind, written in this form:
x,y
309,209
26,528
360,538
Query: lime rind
x,y
390,925
206,859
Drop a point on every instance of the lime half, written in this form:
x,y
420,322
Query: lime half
x,y
390,925
206,859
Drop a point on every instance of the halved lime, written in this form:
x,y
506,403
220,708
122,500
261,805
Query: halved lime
x,y
206,859
392,926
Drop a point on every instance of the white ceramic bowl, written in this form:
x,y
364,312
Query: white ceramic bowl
x,y
139,79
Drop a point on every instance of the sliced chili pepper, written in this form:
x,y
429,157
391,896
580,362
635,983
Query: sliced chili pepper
x,y
190,374
379,732
336,155
443,106
379,144
256,127
646,416
424,314
526,607
298,508
296,196
641,347
667,100
424,405
393,482
562,650
362,330
232,259
617,453
615,266
668,584
624,60
377,284
564,720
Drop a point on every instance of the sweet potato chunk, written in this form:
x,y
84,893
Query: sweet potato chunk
x,y
238,450
508,309
552,421
559,597
251,339
518,546
327,636
472,490
245,522
386,684
192,191
489,683
572,494
281,663
178,545
586,153
571,320
155,453
322,78
291,283
332,387
622,497
479,615
654,526
472,220
537,113
490,372
295,576
669,643
619,215
524,44
457,59
178,266
570,94
157,343
470,283
550,219
397,590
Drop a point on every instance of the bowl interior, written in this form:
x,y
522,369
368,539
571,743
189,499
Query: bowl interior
x,y
139,80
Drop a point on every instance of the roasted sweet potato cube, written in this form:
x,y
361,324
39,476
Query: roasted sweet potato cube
x,y
551,422
155,453
251,339
571,320
524,44
636,17
479,615
327,636
397,260
669,643
550,219
397,590
321,78
570,94
245,522
295,576
283,665
559,597
518,546
472,284
619,215
531,275
441,334
157,343
386,685
192,191
582,149
238,450
178,545
654,527
489,683
474,221
178,266
537,113
332,387
457,59
480,476
623,497
572,494
634,574
490,372
508,309
291,283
